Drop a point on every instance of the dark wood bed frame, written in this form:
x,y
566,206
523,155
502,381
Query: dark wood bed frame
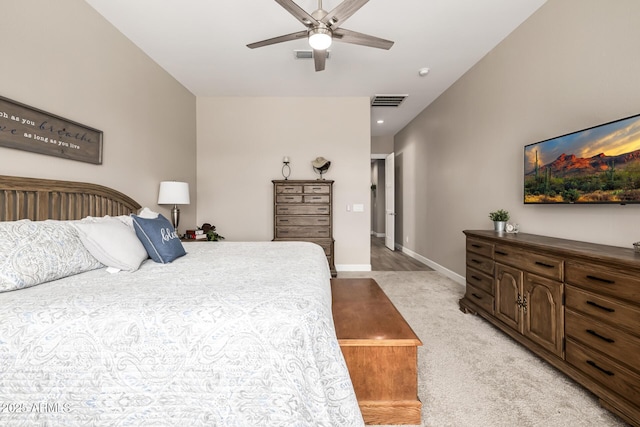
x,y
40,199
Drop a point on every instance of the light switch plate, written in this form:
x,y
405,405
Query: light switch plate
x,y
358,207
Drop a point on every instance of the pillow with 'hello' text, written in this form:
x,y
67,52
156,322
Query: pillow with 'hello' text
x,y
159,238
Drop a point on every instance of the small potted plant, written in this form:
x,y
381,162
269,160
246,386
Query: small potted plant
x,y
499,218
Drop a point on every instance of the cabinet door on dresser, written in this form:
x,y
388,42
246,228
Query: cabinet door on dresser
x,y
509,295
543,312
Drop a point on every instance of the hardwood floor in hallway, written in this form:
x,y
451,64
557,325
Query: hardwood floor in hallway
x,y
384,259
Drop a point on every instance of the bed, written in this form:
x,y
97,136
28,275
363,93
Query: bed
x,y
231,334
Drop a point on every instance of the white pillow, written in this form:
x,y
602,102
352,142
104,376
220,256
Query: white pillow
x,y
148,213
112,243
125,219
34,252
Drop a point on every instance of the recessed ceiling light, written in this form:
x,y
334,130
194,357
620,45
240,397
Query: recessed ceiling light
x,y
380,122
423,71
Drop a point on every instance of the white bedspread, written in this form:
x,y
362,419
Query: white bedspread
x,y
233,334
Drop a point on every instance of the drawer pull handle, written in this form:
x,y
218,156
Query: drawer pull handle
x,y
316,198
476,246
599,279
284,220
544,264
289,197
476,278
317,188
476,261
592,363
284,209
476,295
601,307
502,253
595,334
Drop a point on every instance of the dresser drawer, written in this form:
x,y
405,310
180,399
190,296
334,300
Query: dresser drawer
x,y
317,189
604,280
622,381
316,199
608,310
611,341
480,247
543,265
309,209
481,263
294,231
289,198
480,280
303,220
288,189
479,297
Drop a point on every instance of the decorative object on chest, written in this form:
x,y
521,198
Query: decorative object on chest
x,y
574,304
321,166
302,210
286,169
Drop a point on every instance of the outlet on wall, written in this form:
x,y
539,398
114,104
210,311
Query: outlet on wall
x,y
406,239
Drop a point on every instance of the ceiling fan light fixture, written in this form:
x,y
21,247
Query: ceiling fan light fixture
x,y
320,38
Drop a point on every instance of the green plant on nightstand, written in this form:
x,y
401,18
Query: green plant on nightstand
x,y
212,234
499,218
210,231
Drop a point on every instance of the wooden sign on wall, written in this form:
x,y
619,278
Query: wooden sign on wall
x,y
29,129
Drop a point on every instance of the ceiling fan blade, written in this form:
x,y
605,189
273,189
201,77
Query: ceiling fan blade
x,y
319,58
353,37
342,12
280,39
299,13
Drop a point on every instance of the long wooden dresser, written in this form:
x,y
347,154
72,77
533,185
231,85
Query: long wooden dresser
x,y
575,304
302,210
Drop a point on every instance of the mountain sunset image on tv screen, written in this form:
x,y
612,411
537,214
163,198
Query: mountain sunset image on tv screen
x,y
595,165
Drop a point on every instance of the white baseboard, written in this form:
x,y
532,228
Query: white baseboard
x,y
353,267
437,267
376,234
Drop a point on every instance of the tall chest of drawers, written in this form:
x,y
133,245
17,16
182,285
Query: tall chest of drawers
x,y
575,304
303,211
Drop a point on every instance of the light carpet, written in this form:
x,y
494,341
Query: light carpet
x,y
471,374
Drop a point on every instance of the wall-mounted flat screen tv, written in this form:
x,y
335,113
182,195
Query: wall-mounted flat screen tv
x,y
600,164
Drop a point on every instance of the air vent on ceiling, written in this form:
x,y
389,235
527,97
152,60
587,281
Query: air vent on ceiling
x,y
307,54
387,100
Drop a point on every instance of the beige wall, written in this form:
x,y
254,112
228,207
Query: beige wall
x,y
63,57
572,65
241,143
382,144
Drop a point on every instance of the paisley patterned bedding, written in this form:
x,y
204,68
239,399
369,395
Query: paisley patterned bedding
x,y
233,334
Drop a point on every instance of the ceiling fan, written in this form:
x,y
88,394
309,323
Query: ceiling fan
x,y
323,27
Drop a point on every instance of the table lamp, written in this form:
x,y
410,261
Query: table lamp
x,y
174,193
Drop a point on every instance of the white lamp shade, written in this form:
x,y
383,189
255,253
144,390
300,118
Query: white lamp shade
x,y
173,193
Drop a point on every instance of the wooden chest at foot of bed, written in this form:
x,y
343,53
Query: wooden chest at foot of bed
x,y
381,352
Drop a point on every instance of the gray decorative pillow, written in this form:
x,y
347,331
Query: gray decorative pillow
x,y
34,252
112,242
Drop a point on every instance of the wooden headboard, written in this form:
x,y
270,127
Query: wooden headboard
x,y
40,199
